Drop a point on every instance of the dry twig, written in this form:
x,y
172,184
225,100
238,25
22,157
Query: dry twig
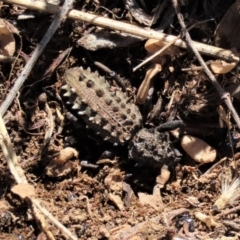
x,y
19,177
228,211
60,16
157,53
224,95
215,165
163,48
5,142
10,155
127,28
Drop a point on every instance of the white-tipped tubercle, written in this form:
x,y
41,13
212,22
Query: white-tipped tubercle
x,y
81,112
75,106
65,87
67,94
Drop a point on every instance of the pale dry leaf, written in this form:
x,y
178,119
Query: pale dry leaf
x,y
142,93
23,190
65,154
150,200
60,166
222,67
154,45
208,220
198,150
7,46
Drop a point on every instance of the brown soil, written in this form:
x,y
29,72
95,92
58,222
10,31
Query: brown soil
x,y
117,198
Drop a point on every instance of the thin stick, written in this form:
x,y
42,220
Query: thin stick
x,y
195,68
53,219
215,165
126,28
228,211
10,155
60,16
18,174
164,48
13,164
224,95
156,53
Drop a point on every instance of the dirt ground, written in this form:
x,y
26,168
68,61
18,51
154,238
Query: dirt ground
x,y
91,186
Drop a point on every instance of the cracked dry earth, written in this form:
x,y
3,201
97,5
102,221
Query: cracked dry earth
x,y
138,183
